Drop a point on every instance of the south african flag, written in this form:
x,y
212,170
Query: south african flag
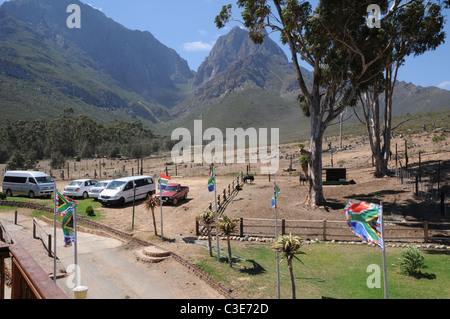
x,y
65,208
276,191
211,180
364,220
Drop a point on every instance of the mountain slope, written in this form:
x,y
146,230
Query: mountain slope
x,y
102,69
109,72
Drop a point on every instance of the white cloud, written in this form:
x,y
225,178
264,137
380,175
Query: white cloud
x,y
99,9
203,32
198,46
444,85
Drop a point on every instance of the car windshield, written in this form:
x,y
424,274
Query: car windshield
x,y
101,184
171,188
115,185
44,180
75,183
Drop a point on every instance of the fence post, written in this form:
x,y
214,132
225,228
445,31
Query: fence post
x,y
283,227
325,230
406,154
425,231
442,203
417,186
241,227
197,231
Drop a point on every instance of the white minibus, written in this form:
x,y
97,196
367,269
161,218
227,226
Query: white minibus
x,y
121,191
29,183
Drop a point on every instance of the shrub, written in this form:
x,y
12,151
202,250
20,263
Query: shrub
x,y
90,211
412,261
2,195
438,138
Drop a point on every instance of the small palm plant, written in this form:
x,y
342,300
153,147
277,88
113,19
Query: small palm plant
x,y
227,225
208,218
412,261
289,246
150,204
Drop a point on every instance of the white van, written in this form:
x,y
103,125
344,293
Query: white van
x,y
121,191
29,183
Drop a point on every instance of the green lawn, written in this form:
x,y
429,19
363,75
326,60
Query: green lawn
x,y
81,206
340,270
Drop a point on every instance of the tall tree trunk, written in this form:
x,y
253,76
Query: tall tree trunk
x,y
291,273
314,196
380,140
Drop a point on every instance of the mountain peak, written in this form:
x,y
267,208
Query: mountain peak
x,y
232,47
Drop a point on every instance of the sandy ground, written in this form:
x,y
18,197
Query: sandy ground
x,y
253,201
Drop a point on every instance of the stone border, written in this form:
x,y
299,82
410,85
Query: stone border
x,y
312,241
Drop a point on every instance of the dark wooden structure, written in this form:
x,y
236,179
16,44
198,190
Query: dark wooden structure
x,y
29,281
335,176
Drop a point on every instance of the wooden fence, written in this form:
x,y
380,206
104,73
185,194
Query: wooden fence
x,y
338,230
223,199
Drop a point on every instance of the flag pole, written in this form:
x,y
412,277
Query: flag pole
x,y
276,236
217,218
161,204
54,235
77,275
384,253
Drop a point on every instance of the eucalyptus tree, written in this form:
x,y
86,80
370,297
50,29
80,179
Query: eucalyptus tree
x,y
330,39
416,28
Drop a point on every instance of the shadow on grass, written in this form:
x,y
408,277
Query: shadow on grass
x,y
421,275
256,268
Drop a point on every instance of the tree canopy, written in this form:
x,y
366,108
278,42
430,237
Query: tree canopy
x,y
342,48
68,136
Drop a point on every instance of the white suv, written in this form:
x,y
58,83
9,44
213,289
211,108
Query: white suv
x,y
79,188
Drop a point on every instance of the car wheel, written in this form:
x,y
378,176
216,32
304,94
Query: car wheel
x,y
122,202
9,193
85,195
175,201
31,194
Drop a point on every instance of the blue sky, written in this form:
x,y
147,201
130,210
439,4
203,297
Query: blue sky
x,y
187,26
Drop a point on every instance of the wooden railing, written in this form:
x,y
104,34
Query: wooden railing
x,y
29,281
326,229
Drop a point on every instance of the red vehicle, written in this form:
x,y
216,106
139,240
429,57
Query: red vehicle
x,y
173,193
